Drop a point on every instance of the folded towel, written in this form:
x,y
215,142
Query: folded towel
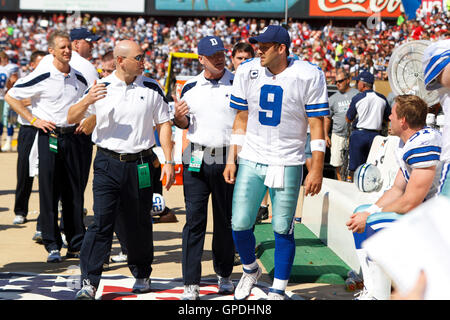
x,y
274,176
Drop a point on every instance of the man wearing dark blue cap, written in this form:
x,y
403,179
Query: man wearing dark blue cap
x,y
276,98
372,108
82,43
204,110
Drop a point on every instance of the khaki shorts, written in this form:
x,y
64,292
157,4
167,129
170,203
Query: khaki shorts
x,y
337,145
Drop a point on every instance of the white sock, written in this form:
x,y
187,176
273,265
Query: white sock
x,y
251,266
363,262
279,284
381,283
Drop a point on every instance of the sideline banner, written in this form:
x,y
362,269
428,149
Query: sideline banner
x,y
355,8
229,8
118,6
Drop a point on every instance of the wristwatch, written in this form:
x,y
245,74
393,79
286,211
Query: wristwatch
x,y
169,162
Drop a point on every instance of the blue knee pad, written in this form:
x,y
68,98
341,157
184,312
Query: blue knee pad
x,y
245,242
284,255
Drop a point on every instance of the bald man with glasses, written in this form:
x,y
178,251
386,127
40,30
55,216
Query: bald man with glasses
x,y
126,104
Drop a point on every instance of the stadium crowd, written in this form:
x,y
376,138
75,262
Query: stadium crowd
x,y
364,46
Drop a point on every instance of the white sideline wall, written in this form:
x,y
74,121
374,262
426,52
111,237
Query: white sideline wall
x,y
326,213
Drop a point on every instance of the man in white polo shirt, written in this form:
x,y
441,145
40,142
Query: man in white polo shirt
x,y
204,110
368,109
82,43
52,90
125,104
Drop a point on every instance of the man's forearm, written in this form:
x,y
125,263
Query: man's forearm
x,y
317,161
390,196
317,133
77,111
327,126
165,137
19,107
237,135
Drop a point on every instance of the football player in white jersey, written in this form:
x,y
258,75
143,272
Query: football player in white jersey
x,y
8,76
276,98
436,65
417,180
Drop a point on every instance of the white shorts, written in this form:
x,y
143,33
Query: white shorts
x,y
337,145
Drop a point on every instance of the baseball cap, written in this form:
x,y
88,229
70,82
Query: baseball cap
x,y
83,34
273,33
210,45
365,76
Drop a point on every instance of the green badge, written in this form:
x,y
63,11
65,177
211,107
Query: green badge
x,y
196,161
53,142
143,175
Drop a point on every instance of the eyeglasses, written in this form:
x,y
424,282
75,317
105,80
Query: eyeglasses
x,y
340,81
138,58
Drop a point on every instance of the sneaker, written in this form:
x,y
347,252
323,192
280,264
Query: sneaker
x,y
191,292
87,292
167,216
142,285
6,147
19,219
54,256
120,258
364,294
226,286
73,254
37,237
263,214
275,294
248,280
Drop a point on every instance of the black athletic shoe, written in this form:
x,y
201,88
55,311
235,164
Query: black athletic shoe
x,y
263,214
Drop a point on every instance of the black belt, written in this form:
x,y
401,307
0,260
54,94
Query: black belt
x,y
127,157
209,150
361,129
64,130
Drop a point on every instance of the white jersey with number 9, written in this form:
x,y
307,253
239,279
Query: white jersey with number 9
x,y
278,108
